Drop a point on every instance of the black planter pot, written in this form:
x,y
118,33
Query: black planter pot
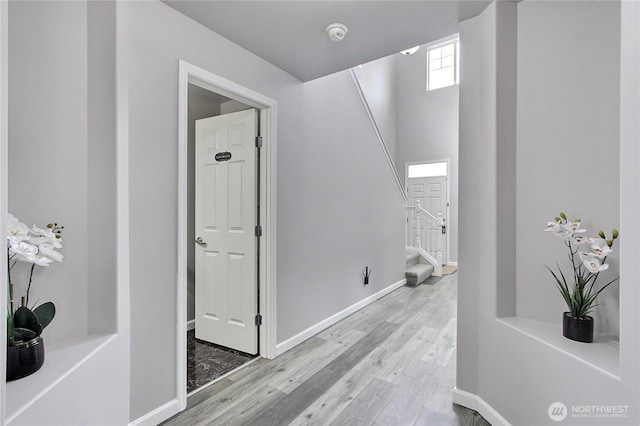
x,y
25,358
578,329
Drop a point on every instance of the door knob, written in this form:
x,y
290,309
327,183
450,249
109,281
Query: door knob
x,y
200,242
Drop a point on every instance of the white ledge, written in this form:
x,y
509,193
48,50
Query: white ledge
x,y
60,360
603,354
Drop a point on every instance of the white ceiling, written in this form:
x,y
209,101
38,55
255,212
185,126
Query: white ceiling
x,y
291,34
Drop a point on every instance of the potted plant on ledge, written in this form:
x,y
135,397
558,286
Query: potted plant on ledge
x,y
25,322
579,290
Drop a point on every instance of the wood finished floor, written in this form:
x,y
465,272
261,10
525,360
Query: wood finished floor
x,y
391,363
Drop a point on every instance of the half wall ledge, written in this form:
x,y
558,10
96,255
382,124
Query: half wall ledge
x,y
61,359
603,354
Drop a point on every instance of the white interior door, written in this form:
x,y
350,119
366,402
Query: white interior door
x,y
432,193
226,242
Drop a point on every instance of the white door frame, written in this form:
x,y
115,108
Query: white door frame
x,y
191,74
447,207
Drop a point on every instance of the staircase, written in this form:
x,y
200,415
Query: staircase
x,y
416,272
424,244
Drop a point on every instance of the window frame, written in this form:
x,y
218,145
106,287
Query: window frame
x,y
455,41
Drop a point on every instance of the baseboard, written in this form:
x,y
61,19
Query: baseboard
x,y
158,415
191,325
474,402
452,263
326,323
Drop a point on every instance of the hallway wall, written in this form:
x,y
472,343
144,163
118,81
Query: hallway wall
x,y
499,348
48,181
336,212
378,81
62,168
576,119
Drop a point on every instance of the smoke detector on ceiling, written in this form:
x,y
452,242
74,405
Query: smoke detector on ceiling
x,y
336,32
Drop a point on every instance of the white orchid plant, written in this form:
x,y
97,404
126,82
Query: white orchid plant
x,y
581,293
37,247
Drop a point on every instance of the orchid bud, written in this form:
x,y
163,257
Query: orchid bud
x,y
601,233
557,219
50,225
614,233
609,243
562,215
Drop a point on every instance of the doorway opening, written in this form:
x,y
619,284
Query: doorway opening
x,y
428,183
219,124
222,266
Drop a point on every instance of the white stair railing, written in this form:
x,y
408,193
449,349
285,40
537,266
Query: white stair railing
x,y
376,129
424,235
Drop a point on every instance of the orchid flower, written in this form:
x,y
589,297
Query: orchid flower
x,y
578,239
601,251
574,227
594,266
584,255
46,235
552,226
17,231
24,252
42,261
47,250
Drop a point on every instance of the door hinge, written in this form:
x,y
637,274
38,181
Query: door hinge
x,y
259,231
259,319
258,141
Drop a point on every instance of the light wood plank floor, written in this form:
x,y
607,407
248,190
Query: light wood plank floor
x,y
391,363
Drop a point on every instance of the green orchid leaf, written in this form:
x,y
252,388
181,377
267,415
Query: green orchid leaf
x,y
22,334
25,318
45,313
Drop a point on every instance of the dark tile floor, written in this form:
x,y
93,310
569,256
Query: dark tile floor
x,y
207,361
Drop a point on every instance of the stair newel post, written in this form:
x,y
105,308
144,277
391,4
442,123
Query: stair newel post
x,y
418,237
438,249
431,249
407,233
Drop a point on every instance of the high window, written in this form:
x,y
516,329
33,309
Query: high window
x,y
442,64
427,170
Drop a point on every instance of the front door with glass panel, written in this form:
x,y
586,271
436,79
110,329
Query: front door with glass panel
x,y
427,182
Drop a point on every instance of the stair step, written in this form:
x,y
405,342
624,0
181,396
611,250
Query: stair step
x,y
412,259
417,273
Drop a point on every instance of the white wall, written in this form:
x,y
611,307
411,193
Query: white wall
x,y
378,82
569,140
62,154
338,210
427,128
48,151
519,371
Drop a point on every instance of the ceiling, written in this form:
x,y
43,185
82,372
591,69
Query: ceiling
x,y
291,34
